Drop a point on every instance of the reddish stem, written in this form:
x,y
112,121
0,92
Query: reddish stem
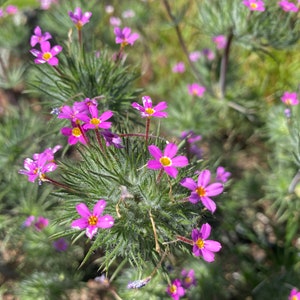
x,y
147,130
98,136
185,240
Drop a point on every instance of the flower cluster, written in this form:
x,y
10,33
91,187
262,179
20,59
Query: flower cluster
x,y
179,286
46,54
40,164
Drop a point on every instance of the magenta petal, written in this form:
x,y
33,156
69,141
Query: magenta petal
x,y
80,223
53,61
106,115
83,210
180,161
126,32
189,183
99,207
37,31
155,151
66,131
106,221
204,178
138,106
50,167
160,106
205,231
171,171
160,114
117,31
208,256
195,234
105,125
147,101
170,150
34,40
194,198
154,164
56,49
91,231
214,189
197,251
209,204
35,52
213,246
45,47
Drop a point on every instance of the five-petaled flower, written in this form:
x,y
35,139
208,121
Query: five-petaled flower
x,y
255,4
202,190
39,37
196,89
41,223
147,110
222,175
290,98
79,18
188,278
125,37
166,161
288,6
75,134
202,246
175,290
294,294
47,54
91,221
41,164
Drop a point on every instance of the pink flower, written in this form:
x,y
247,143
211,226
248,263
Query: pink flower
x,y
254,4
196,89
74,133
188,278
60,245
39,37
167,161
220,41
11,9
202,246
79,18
91,221
29,221
125,37
96,121
202,190
47,55
209,54
179,68
73,113
290,98
114,21
194,56
37,168
45,4
147,111
175,290
294,295
222,175
41,223
49,153
288,6
129,13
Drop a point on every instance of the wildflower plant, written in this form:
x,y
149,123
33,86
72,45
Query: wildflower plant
x,y
143,208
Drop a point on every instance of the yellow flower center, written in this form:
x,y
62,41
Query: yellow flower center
x,y
253,5
173,289
195,92
79,25
95,121
35,170
124,43
200,243
165,161
200,190
46,56
188,280
93,220
150,111
76,132
288,102
294,298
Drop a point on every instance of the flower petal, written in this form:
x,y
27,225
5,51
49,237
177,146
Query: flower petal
x,y
106,221
214,189
204,178
99,207
170,150
91,231
213,246
80,223
106,115
83,210
171,171
209,204
189,183
160,106
180,161
208,256
154,164
205,231
155,152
